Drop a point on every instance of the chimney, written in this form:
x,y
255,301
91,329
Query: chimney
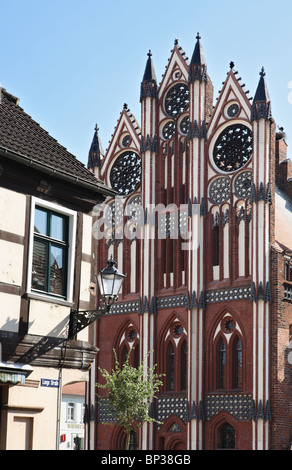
x,y
281,146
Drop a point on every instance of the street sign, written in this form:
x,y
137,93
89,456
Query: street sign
x,y
49,383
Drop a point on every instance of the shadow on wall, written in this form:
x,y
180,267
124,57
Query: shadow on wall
x,y
11,331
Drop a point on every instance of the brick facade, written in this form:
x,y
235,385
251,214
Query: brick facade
x,y
216,314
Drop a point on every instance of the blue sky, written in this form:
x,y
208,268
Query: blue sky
x,y
75,63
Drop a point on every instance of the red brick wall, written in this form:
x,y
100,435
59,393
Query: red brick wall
x,y
281,379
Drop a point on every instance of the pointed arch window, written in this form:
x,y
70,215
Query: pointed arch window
x,y
183,367
227,436
171,366
216,245
221,364
124,354
228,351
237,363
174,358
127,345
133,445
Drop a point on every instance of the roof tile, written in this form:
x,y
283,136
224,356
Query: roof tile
x,y
19,133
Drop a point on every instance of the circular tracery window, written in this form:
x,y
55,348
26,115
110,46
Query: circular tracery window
x,y
232,110
242,184
125,174
228,325
220,190
126,140
134,208
168,130
233,148
177,330
131,334
184,125
176,99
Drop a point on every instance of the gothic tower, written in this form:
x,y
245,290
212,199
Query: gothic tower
x,y
195,228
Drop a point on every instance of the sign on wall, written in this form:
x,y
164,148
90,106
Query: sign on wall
x,y
49,383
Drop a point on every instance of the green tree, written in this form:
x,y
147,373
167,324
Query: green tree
x,y
130,392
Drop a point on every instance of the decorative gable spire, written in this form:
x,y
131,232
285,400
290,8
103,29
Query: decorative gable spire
x,y
95,154
149,82
261,107
198,66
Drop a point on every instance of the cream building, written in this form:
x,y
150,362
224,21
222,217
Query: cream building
x,y
46,267
73,417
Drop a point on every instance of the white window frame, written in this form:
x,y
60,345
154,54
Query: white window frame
x,y
72,220
71,412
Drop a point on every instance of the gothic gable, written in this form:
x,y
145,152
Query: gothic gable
x,y
123,152
176,70
233,102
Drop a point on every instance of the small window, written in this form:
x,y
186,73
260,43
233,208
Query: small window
x,y
71,411
221,364
227,437
184,366
125,354
216,246
237,362
52,248
133,445
82,413
288,270
170,359
50,252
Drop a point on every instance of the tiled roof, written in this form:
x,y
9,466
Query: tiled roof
x,y
20,134
77,388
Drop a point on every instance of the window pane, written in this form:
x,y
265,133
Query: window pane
x,y
221,364
171,366
71,412
40,221
227,437
184,366
39,261
238,364
57,270
58,227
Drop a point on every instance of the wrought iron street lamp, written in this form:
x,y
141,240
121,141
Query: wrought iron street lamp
x,y
109,281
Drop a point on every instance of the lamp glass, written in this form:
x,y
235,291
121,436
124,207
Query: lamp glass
x,y
110,281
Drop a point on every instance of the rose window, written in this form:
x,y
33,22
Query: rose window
x,y
176,100
233,148
125,174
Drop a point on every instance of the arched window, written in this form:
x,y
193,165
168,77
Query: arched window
x,y
127,345
136,357
133,445
216,245
221,364
227,356
173,356
237,364
124,354
183,368
170,366
226,436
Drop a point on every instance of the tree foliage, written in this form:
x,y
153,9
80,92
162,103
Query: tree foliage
x,y
130,392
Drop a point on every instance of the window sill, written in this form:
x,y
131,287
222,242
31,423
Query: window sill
x,y
48,298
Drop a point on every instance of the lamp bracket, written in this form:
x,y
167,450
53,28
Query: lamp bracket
x,y
80,319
